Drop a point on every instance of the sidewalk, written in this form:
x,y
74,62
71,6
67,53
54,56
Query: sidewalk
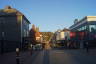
x,y
10,58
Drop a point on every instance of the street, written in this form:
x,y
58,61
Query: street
x,y
52,56
65,57
71,57
48,32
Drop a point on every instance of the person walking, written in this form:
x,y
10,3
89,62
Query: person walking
x,y
87,47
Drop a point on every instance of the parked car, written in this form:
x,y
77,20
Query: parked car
x,y
38,46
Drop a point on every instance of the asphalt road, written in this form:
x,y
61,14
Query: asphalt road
x,y
52,56
63,57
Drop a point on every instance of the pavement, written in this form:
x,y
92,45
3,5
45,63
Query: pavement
x,y
71,57
52,56
25,57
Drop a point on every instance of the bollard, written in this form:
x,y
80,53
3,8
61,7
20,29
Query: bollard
x,y
17,56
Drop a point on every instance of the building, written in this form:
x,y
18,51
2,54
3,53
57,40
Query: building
x,y
32,35
35,35
83,31
62,34
46,36
61,37
14,27
38,35
66,34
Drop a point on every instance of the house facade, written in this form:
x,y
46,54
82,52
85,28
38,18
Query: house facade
x,y
14,26
61,37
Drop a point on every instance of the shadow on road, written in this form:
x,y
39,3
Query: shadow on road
x,y
46,57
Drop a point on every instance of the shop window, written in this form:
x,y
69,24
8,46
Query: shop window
x,y
92,28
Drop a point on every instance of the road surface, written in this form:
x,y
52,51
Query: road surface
x,y
52,56
63,57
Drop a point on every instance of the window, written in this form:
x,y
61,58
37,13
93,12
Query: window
x,y
83,28
27,33
25,24
24,33
80,29
92,28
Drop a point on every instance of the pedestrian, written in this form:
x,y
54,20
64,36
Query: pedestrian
x,y
17,56
87,47
31,46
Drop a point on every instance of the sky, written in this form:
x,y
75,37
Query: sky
x,y
50,15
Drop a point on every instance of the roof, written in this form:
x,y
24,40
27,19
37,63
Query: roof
x,y
37,34
86,18
65,29
8,11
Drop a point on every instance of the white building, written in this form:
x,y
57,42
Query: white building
x,y
62,35
87,25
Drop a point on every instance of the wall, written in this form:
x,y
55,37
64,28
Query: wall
x,y
12,34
